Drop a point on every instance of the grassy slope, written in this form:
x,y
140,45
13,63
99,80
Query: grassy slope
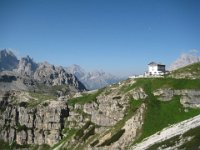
x,y
193,70
86,98
161,114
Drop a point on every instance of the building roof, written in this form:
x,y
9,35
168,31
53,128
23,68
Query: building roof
x,y
155,64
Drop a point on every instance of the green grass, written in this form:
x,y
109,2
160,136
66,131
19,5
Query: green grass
x,y
4,145
7,146
193,69
40,97
195,142
90,132
116,130
69,134
156,83
21,127
161,114
133,106
86,98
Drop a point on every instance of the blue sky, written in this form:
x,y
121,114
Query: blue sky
x,y
118,36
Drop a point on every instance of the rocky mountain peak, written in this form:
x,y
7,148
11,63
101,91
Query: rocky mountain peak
x,y
8,61
27,66
26,69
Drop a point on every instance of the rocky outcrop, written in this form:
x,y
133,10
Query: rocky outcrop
x,y
188,97
164,94
132,128
39,125
107,110
10,80
138,94
8,61
51,75
43,73
26,66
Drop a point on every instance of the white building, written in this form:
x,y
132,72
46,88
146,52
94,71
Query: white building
x,y
155,69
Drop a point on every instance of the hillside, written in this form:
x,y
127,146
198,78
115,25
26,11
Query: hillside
x,y
44,107
120,115
110,118
185,59
183,135
191,71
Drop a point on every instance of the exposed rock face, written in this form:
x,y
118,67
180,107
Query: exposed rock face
x,y
138,94
39,125
8,61
132,128
108,109
26,66
27,70
51,75
189,98
10,80
164,94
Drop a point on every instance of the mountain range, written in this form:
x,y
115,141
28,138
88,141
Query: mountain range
x,y
95,79
28,67
138,114
24,73
46,107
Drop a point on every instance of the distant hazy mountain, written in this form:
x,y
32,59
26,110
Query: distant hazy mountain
x,y
93,80
8,61
184,60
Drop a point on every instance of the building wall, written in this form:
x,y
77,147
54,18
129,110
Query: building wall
x,y
161,68
156,69
153,69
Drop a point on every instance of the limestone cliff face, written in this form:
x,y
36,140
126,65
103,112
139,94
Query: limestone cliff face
x,y
188,97
39,125
103,115
27,69
26,66
51,75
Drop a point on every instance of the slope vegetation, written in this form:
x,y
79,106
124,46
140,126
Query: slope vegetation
x,y
140,113
190,72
